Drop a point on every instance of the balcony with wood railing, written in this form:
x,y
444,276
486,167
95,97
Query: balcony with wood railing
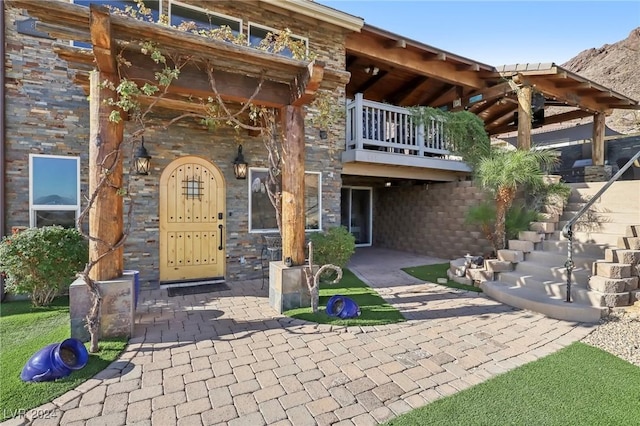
x,y
384,134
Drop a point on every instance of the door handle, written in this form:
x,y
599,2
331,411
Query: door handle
x,y
220,228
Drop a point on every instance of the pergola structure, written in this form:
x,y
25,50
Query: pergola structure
x,y
388,68
285,84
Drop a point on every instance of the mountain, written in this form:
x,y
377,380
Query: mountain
x,y
614,66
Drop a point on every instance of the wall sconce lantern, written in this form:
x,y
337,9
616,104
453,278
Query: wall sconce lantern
x,y
142,160
239,165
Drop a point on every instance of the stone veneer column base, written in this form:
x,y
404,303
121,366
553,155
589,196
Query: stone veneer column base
x,y
287,287
117,311
597,173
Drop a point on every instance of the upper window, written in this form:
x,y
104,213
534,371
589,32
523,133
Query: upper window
x,y
203,19
262,216
257,33
54,190
154,7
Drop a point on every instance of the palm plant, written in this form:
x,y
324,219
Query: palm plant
x,y
503,172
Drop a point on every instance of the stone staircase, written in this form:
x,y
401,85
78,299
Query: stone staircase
x,y
606,255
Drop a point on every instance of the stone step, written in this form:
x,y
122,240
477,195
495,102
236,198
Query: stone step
x,y
549,217
616,196
533,236
542,227
513,256
611,269
553,273
585,249
605,226
608,240
579,293
524,246
616,255
552,209
552,259
551,306
629,243
632,231
613,285
496,265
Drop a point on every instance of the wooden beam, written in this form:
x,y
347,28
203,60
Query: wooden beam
x,y
524,117
552,119
566,95
476,96
411,60
405,92
304,87
468,67
293,211
597,144
193,80
106,215
437,98
100,28
436,57
370,82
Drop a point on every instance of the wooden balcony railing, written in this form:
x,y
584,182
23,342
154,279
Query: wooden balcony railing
x,y
383,127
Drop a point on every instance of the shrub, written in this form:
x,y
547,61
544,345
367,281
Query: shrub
x,y
41,261
334,246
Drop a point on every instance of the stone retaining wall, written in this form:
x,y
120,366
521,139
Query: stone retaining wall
x,y
428,219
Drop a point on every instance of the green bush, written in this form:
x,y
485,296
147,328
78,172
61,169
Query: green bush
x,y
335,246
41,261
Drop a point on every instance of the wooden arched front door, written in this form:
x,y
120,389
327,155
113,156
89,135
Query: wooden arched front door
x,y
192,221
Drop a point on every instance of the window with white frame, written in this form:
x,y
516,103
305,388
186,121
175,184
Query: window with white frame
x,y
262,216
54,190
257,33
203,19
154,7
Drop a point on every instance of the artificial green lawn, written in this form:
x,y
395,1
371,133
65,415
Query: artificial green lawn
x,y
374,310
24,330
578,385
431,273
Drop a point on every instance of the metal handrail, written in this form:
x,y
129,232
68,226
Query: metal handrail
x,y
567,229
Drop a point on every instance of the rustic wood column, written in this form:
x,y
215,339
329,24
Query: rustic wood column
x,y
597,142
105,217
293,217
524,117
105,137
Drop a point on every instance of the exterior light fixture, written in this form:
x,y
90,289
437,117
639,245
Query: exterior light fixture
x,y
239,165
142,159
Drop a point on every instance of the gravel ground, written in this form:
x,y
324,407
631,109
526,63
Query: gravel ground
x,y
619,334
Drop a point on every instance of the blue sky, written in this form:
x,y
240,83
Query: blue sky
x,y
502,32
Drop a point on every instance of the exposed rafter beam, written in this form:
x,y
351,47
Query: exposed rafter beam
x,y
416,84
493,92
437,98
411,60
370,82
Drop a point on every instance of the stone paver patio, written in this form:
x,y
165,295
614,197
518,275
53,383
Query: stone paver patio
x,y
227,358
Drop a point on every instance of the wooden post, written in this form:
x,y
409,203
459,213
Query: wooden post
x,y
524,117
293,217
597,143
105,217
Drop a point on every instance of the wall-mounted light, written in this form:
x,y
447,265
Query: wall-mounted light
x,y
142,159
239,165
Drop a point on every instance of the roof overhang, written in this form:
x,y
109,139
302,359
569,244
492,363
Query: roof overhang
x,y
320,12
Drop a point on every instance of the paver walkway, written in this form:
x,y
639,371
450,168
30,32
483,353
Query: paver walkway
x,y
227,358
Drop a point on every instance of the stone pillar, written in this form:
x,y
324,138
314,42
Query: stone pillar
x,y
287,287
117,312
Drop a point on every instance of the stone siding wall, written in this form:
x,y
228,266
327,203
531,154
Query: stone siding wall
x,y
428,220
48,114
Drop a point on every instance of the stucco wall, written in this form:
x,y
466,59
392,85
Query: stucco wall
x,y
428,219
48,114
